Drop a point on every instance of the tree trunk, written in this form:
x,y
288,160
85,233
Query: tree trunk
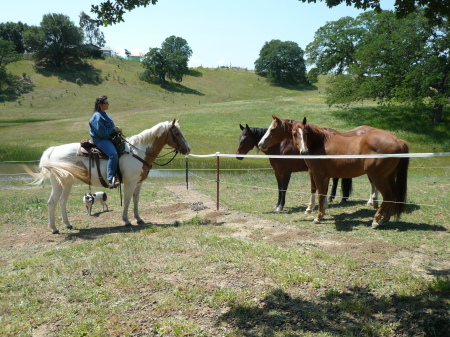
x,y
437,113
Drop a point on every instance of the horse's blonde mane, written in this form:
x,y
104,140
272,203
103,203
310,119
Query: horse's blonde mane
x,y
149,135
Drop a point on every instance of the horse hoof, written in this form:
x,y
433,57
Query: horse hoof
x,y
376,225
128,224
55,231
316,221
141,222
308,211
69,227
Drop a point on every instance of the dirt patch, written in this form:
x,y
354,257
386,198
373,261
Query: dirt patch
x,y
183,205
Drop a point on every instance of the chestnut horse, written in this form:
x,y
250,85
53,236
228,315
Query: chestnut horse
x,y
283,168
281,129
62,166
388,174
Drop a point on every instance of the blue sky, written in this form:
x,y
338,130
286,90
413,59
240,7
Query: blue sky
x,y
230,32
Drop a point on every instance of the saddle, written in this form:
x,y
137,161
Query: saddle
x,y
88,149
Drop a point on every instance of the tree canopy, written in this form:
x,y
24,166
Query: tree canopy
x,y
170,61
11,31
92,34
378,57
111,12
281,62
56,41
434,10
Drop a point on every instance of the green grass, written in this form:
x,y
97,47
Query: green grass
x,y
195,277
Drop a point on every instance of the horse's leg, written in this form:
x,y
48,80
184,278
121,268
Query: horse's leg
x,y
312,199
67,187
279,205
285,178
52,202
128,190
346,187
373,198
322,188
333,189
383,214
136,194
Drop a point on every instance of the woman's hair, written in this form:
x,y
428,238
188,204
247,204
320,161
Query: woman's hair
x,y
99,100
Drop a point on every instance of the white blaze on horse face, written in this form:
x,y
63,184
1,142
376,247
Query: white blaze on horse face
x,y
262,143
302,145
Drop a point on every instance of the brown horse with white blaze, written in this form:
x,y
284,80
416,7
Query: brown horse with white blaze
x,y
387,173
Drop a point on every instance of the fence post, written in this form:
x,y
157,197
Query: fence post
x,y
187,172
217,180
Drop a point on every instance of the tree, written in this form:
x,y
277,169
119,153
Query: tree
x,y
109,13
435,10
13,32
92,34
8,55
11,86
281,62
404,61
170,61
57,41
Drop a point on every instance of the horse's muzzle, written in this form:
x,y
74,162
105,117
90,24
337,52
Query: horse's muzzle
x,y
185,151
304,152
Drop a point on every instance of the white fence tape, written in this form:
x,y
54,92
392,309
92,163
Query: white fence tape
x,y
380,155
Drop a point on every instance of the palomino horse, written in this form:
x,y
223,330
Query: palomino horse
x,y
62,166
283,168
281,129
388,174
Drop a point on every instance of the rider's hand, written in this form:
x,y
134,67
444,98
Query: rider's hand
x,y
118,129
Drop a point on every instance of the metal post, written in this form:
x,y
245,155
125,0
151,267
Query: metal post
x,y
218,180
187,172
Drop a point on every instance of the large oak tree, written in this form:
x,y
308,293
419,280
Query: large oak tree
x,y
379,57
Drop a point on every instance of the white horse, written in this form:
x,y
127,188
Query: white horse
x,y
62,166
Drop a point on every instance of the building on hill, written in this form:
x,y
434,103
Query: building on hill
x,y
134,58
106,52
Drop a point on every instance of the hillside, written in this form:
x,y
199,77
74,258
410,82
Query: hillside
x,y
211,103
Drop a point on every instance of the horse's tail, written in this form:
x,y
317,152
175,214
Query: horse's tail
x,y
401,184
59,170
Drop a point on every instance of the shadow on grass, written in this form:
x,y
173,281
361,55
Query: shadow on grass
x,y
354,312
398,118
297,87
93,233
81,73
178,88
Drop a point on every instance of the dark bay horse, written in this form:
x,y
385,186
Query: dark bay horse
x,y
283,168
388,174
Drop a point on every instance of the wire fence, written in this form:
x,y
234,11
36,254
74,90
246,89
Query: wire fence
x,y
192,173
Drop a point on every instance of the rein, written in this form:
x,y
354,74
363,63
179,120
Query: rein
x,y
143,161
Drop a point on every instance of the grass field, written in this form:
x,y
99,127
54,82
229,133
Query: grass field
x,y
247,271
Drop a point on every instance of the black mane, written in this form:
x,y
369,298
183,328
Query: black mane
x,y
258,133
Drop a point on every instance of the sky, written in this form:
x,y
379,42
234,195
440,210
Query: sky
x,y
220,33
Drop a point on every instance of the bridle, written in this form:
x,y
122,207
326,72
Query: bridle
x,y
174,139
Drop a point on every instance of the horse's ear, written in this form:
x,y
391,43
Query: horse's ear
x,y
304,121
247,127
240,125
274,117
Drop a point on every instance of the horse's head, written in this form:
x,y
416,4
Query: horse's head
x,y
176,138
299,136
278,130
247,141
